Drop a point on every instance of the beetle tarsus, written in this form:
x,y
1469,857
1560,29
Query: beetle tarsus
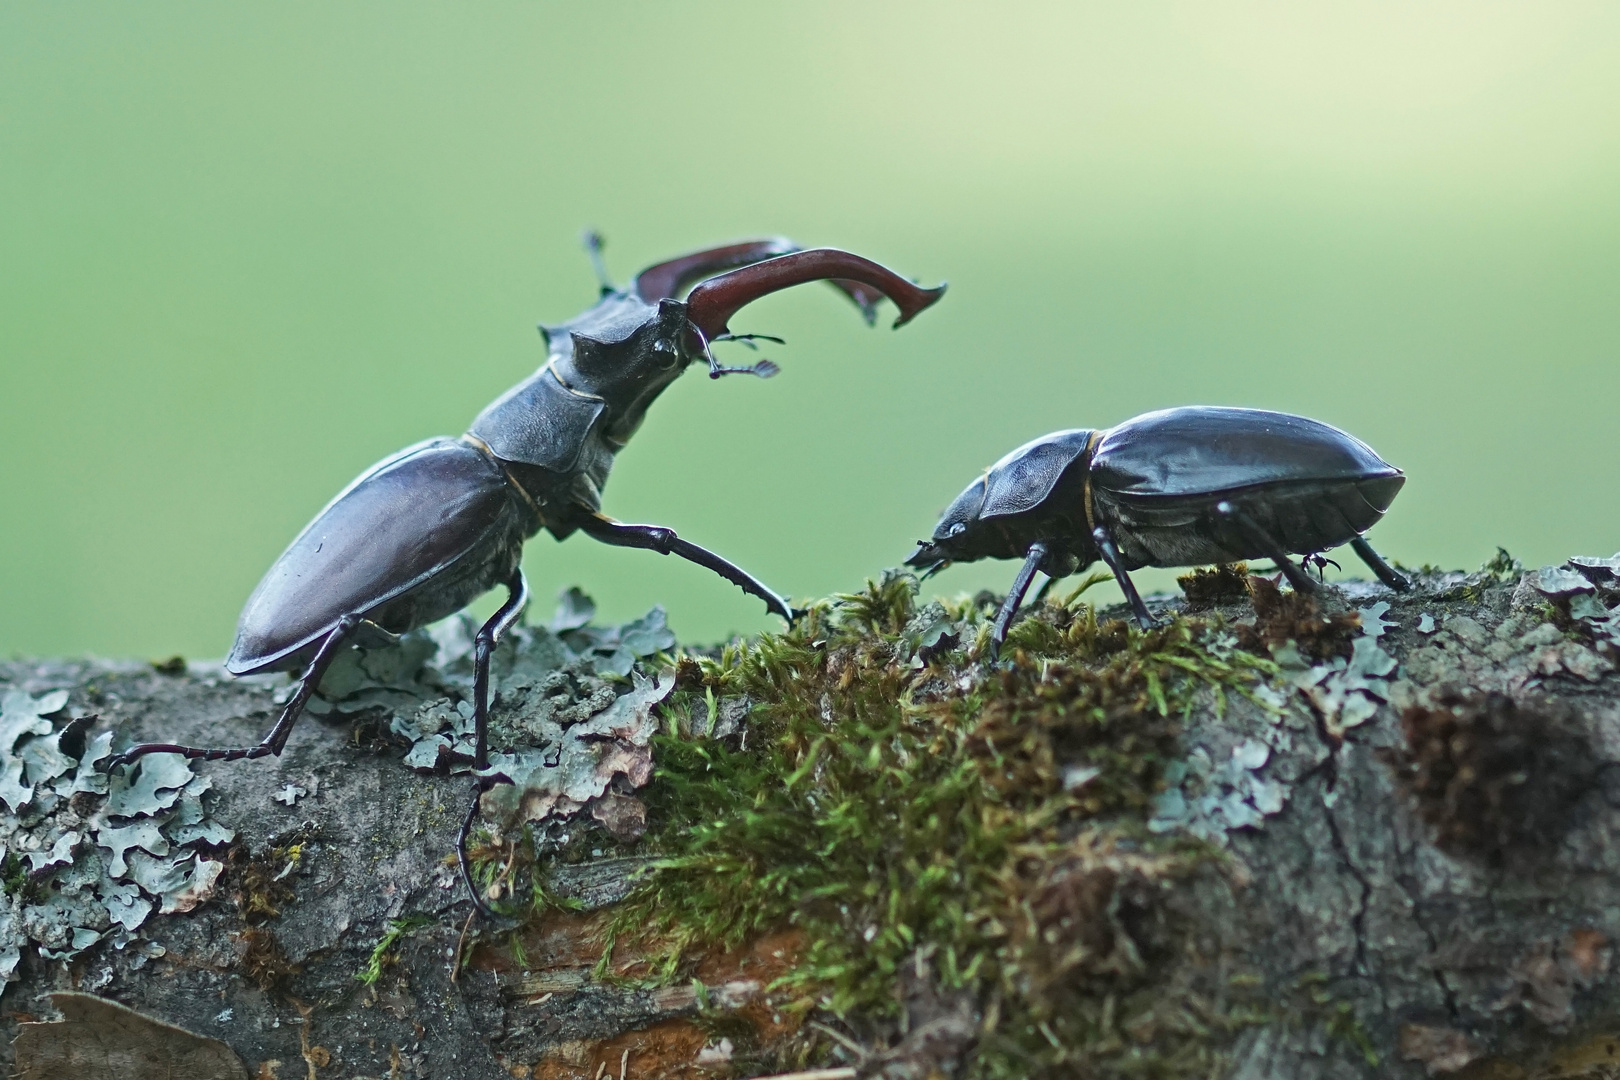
x,y
1386,573
1015,596
665,542
1321,563
276,739
466,863
1254,534
1110,554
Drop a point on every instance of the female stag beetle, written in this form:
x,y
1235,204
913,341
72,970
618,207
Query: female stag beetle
x,y
422,533
1179,487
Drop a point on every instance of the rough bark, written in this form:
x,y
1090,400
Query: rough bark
x,y
1415,881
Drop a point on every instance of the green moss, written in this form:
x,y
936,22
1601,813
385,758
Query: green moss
x,y
1504,568
1338,1018
397,929
14,874
987,819
1499,569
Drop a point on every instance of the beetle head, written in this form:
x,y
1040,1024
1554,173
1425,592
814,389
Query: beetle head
x,y
638,340
625,351
957,537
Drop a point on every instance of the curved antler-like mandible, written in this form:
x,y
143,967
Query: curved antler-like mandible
x,y
712,304
668,280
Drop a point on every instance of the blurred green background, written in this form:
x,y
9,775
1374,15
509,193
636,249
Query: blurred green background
x,y
247,250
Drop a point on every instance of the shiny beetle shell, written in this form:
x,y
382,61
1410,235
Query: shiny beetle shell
x,y
1206,450
1154,480
388,549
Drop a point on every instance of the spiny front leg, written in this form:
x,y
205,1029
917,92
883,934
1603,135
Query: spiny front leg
x,y
1015,595
665,542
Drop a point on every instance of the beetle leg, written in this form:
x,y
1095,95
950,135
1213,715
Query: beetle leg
x,y
274,741
1110,553
466,864
489,636
1046,587
1386,573
1015,596
665,542
1254,534
484,642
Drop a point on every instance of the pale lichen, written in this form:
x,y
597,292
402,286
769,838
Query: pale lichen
x,y
97,854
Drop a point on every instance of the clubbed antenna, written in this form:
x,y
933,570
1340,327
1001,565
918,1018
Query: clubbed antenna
x,y
593,247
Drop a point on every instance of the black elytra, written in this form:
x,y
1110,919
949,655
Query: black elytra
x,y
420,534
1178,487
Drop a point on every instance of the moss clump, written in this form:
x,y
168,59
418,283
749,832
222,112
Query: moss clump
x,y
381,953
985,820
1298,617
1502,567
1495,777
1211,585
260,888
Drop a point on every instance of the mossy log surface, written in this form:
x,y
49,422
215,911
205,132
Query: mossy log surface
x,y
1270,840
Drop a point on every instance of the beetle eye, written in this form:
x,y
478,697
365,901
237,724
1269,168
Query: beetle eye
x,y
957,530
665,353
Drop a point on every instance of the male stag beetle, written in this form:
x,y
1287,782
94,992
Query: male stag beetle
x,y
1179,487
422,533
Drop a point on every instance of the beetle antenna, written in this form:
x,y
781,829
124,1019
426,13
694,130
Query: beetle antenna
x,y
592,239
749,339
763,368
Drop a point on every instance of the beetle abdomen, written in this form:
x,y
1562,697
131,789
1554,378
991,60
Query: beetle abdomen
x,y
413,539
1206,450
1302,516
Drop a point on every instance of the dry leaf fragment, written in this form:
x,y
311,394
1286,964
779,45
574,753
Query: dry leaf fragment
x,y
101,1038
625,816
1441,1050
